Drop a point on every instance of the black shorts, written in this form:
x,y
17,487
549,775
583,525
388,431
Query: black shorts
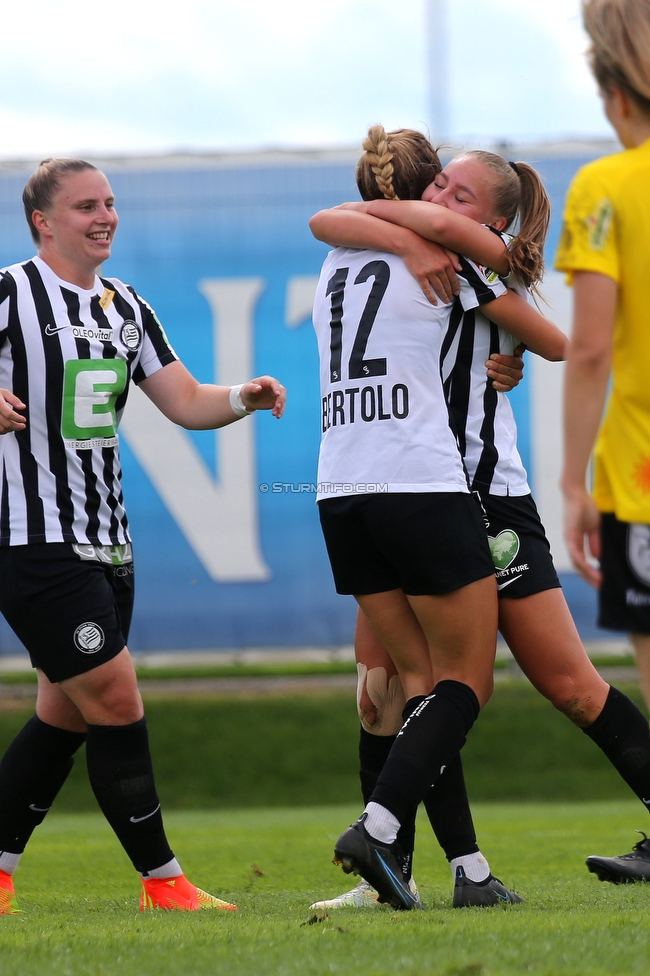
x,y
519,547
429,543
624,597
72,614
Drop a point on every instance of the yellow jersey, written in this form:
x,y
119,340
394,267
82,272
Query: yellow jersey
x,y
606,229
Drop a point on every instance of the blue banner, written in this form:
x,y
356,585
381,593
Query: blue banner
x,y
227,543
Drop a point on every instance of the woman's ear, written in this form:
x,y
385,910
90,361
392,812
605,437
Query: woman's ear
x,y
500,223
40,222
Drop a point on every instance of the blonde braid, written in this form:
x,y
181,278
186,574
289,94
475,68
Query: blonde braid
x,y
380,158
396,165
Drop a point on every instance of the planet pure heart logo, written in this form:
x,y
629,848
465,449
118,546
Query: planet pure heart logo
x,y
504,548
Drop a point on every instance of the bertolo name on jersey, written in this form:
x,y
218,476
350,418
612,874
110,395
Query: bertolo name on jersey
x,y
369,403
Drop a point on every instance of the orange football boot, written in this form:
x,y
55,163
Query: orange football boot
x,y
8,903
178,895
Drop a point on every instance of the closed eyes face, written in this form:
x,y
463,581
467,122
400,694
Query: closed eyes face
x,y
465,186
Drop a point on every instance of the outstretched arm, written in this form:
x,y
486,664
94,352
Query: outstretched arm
x,y
520,319
433,267
203,406
585,391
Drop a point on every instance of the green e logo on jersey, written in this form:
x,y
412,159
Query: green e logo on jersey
x,y
90,389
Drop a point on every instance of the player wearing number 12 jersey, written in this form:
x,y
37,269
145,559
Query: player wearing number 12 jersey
x,y
403,532
70,344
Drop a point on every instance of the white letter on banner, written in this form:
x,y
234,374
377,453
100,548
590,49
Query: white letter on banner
x,y
300,299
218,518
547,382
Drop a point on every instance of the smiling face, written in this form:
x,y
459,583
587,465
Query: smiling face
x,y
467,186
77,229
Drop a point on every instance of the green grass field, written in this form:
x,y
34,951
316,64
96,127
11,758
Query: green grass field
x,y
80,917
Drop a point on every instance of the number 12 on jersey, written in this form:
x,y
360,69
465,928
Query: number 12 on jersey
x,y
358,367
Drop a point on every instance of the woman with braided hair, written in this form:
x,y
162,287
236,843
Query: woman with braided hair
x,y
404,533
533,615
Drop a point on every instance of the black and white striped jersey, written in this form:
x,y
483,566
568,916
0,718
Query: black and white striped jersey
x,y
384,419
69,354
483,418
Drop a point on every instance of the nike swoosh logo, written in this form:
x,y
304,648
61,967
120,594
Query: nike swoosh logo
x,y
39,809
502,586
397,883
647,802
53,329
146,816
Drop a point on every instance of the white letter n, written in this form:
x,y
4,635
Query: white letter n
x,y
218,518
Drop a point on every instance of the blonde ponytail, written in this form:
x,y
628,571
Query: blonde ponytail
x,y
520,197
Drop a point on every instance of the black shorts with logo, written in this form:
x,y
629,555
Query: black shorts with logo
x,y
520,550
422,543
72,612
624,596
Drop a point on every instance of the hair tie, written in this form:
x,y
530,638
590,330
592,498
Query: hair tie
x,y
513,166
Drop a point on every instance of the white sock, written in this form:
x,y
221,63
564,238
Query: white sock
x,y
380,823
170,870
474,865
9,862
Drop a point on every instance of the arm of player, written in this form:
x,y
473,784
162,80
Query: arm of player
x,y
445,227
204,406
9,419
433,267
520,319
585,392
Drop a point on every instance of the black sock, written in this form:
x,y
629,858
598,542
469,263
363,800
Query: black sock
x,y
121,775
373,753
449,814
32,771
622,732
429,740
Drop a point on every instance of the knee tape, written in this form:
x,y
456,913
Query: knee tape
x,y
386,695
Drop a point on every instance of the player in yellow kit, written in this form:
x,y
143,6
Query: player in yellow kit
x,y
605,252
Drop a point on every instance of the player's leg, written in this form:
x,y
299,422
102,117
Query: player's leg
x,y
447,804
380,703
435,731
64,609
641,646
543,639
120,767
32,771
624,604
381,548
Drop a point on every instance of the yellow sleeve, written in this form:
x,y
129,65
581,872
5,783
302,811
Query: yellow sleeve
x,y
588,241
